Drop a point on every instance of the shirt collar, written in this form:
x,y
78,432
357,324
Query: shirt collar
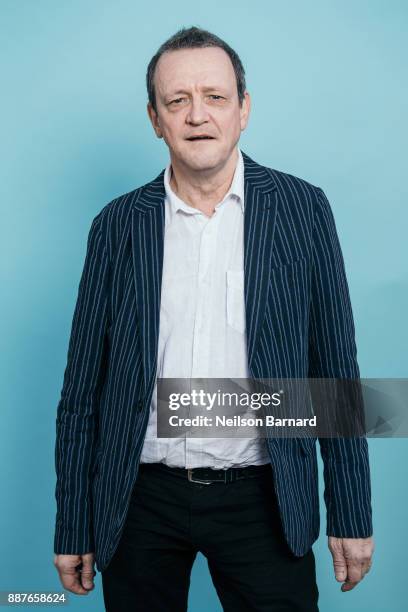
x,y
236,189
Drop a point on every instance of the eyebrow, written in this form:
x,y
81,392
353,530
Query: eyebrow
x,y
208,88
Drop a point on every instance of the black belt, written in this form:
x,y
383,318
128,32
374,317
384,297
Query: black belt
x,y
207,475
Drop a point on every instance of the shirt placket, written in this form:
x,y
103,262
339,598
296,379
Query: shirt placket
x,y
201,353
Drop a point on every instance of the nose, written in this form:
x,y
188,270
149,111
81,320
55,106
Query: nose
x,y
197,113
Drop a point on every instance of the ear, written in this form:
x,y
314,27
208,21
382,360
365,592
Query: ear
x,y
245,110
154,118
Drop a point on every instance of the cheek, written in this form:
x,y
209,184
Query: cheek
x,y
173,133
232,123
168,136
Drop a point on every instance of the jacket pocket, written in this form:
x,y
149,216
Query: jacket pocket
x,y
288,266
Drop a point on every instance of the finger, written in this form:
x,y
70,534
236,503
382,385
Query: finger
x,y
73,584
365,568
348,586
87,574
354,573
70,579
340,566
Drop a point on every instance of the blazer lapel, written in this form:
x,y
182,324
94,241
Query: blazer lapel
x,y
147,249
260,211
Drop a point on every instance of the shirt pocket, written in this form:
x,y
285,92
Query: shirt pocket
x,y
236,300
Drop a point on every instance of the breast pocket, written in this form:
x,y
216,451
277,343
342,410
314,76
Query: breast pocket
x,y
236,300
289,304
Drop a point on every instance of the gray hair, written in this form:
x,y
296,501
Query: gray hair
x,y
193,38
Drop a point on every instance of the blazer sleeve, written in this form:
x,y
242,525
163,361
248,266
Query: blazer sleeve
x,y
78,405
333,354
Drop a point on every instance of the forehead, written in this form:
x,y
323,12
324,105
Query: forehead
x,y
184,68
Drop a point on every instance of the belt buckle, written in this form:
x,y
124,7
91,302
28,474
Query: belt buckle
x,y
197,480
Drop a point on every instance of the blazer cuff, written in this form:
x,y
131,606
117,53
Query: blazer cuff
x,y
77,540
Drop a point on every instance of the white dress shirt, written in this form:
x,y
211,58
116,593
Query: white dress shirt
x,y
202,320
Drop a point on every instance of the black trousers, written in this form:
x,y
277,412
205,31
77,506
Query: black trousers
x,y
236,526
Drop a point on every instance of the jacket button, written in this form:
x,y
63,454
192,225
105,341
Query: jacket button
x,y
139,405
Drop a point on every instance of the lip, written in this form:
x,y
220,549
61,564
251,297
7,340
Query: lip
x,y
199,137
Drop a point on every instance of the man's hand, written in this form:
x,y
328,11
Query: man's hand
x,y
76,572
351,559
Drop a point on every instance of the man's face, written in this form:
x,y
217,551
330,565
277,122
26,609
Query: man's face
x,y
196,95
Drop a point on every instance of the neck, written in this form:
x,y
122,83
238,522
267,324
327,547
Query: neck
x,y
203,190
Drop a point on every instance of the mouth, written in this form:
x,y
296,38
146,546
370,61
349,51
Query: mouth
x,y
200,137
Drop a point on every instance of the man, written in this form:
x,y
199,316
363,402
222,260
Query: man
x,y
219,267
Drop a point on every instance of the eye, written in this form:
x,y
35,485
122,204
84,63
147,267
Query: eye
x,y
216,97
176,101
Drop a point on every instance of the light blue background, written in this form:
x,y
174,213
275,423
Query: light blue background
x,y
329,92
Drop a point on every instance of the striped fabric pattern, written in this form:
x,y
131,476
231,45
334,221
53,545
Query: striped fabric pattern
x,y
299,324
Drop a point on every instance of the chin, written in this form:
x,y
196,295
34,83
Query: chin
x,y
203,160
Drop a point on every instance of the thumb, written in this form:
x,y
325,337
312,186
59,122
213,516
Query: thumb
x,y
340,566
87,572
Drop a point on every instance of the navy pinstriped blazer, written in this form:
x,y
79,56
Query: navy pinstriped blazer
x,y
299,324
